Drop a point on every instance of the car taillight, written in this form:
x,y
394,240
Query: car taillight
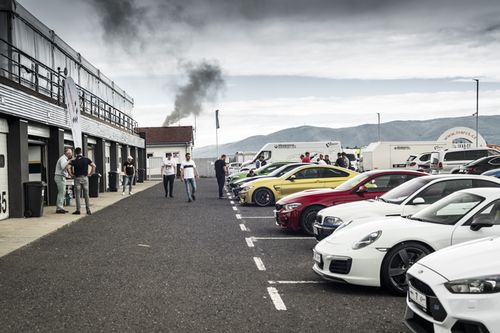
x,y
440,165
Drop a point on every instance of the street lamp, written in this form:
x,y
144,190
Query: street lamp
x,y
378,127
477,112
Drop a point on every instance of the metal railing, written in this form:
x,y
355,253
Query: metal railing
x,y
23,70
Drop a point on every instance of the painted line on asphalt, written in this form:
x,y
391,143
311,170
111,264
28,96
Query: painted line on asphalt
x,y
258,217
234,208
280,238
143,245
276,298
231,202
243,227
297,282
259,264
249,241
238,216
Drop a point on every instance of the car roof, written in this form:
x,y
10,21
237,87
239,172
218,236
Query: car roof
x,y
310,165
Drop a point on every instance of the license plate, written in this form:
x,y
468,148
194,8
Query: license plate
x,y
317,257
417,297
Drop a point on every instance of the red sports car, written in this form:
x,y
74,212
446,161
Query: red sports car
x,y
298,211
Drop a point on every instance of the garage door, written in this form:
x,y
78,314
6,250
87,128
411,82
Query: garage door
x,y
4,185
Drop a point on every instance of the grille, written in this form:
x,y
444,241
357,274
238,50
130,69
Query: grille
x,y
340,266
434,307
421,286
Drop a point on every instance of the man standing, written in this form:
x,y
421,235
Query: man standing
x,y
307,158
188,175
220,173
129,172
340,161
168,170
320,160
79,169
60,179
260,162
327,160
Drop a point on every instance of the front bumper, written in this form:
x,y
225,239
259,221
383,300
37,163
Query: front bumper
x,y
321,231
339,263
287,219
245,197
448,312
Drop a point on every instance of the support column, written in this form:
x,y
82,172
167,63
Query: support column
x,y
113,156
143,156
100,158
55,150
17,150
85,144
124,155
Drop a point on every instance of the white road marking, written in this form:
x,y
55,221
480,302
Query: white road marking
x,y
234,208
243,228
231,202
143,245
297,282
249,241
258,217
238,216
259,264
285,238
276,298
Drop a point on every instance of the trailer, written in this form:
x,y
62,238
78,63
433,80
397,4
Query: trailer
x,y
394,154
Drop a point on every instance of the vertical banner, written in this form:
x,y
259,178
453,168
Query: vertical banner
x,y
73,108
217,126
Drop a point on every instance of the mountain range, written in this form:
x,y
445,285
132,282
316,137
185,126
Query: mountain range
x,y
359,136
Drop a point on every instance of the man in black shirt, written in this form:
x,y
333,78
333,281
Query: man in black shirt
x,y
220,173
129,171
79,169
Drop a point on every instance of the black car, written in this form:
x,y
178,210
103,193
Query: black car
x,y
481,165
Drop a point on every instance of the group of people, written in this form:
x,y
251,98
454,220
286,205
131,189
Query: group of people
x,y
341,161
188,175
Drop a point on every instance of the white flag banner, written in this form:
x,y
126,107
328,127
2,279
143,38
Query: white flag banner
x,y
73,108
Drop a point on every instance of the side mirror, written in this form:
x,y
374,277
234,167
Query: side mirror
x,y
292,178
361,189
418,201
479,222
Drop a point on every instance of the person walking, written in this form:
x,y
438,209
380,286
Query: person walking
x,y
221,172
168,170
79,169
188,175
129,172
60,175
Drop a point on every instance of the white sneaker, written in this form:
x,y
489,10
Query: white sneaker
x,y
130,193
123,193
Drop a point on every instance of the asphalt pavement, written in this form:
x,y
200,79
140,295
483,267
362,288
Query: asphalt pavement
x,y
154,264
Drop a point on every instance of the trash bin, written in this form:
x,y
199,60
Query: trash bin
x,y
94,181
114,181
33,198
140,175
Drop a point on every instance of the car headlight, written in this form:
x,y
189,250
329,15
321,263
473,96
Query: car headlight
x,y
343,225
479,285
369,239
292,206
246,188
332,220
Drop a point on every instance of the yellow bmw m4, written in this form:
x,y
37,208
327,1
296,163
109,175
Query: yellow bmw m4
x,y
266,191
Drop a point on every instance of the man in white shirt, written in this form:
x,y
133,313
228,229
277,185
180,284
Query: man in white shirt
x,y
168,171
321,161
60,175
188,175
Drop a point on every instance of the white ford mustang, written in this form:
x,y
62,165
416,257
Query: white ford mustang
x,y
456,289
379,252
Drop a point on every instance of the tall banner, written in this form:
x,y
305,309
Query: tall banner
x,y
217,125
73,108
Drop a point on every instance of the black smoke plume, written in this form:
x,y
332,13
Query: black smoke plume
x,y
205,82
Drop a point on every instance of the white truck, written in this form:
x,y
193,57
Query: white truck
x,y
291,151
393,154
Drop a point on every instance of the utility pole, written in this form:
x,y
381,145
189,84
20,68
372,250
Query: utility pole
x,y
378,127
477,112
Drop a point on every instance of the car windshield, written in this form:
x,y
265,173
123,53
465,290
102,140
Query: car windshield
x,y
450,209
284,169
352,182
400,193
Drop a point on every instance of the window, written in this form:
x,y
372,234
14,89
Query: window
x,y
483,183
149,155
442,189
493,152
492,210
455,156
385,183
2,161
475,154
425,157
495,161
308,173
333,173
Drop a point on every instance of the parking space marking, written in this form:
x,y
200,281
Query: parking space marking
x,y
243,227
238,216
276,298
234,208
231,202
249,241
259,264
281,238
258,217
297,282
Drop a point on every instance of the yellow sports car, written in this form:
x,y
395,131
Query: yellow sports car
x,y
266,191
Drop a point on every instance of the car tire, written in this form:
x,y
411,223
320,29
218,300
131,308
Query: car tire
x,y
308,217
263,197
396,262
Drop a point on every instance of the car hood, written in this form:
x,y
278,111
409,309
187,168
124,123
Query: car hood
x,y
476,258
362,209
304,194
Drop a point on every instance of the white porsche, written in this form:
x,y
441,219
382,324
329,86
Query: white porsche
x,y
456,289
379,252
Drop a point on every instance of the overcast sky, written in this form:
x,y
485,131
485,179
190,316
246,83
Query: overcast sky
x,y
289,63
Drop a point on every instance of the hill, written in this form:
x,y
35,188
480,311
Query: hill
x,y
358,136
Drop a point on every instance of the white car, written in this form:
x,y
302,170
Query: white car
x,y
456,289
406,199
379,253
420,162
